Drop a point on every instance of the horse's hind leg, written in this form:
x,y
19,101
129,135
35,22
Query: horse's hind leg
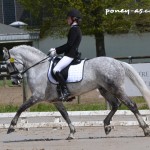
x,y
61,108
114,107
132,106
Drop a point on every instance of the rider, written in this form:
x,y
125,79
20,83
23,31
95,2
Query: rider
x,y
70,49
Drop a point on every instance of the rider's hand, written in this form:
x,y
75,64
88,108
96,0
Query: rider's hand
x,y
52,52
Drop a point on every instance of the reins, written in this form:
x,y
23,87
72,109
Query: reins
x,y
41,61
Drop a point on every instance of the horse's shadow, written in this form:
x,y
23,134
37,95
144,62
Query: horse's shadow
x,y
80,138
32,140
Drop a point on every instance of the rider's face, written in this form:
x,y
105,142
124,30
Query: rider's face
x,y
69,20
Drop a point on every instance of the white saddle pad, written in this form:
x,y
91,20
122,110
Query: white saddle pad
x,y
75,73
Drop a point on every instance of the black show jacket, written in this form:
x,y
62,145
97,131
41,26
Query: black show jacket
x,y
70,49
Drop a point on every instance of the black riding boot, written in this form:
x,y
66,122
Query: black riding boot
x,y
64,89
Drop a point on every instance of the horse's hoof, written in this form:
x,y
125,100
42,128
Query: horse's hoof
x,y
69,138
147,134
107,129
10,130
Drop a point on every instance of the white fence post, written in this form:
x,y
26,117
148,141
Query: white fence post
x,y
25,88
25,97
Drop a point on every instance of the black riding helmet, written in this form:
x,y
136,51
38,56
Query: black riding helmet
x,y
74,13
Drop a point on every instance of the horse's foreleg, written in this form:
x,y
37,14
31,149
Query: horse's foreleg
x,y
132,106
32,100
114,107
61,108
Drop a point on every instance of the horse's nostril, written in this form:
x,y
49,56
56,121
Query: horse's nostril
x,y
13,83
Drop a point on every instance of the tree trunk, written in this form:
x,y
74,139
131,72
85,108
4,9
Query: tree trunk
x,y
100,45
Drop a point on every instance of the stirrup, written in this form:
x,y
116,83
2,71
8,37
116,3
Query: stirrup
x,y
62,95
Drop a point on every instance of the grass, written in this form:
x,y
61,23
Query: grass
x,y
45,107
8,108
8,83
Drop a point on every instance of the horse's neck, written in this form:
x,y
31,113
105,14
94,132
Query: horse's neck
x,y
37,72
31,59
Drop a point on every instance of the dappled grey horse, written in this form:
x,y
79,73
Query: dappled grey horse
x,y
103,73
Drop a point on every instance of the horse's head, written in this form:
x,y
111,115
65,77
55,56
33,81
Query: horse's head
x,y
14,66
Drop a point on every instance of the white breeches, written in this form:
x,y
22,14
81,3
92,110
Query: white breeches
x,y
63,63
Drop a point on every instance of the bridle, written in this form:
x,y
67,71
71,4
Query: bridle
x,y
12,69
16,76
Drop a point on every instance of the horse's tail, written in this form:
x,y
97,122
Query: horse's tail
x,y
138,81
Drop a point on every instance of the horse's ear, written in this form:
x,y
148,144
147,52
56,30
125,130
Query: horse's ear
x,y
5,53
5,50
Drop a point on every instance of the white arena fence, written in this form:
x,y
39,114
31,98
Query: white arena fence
x,y
57,122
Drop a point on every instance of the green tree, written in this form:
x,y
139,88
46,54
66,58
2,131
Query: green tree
x,y
98,17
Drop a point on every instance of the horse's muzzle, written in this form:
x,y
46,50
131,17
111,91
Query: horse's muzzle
x,y
15,82
16,79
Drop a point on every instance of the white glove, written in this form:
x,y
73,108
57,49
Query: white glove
x,y
52,52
